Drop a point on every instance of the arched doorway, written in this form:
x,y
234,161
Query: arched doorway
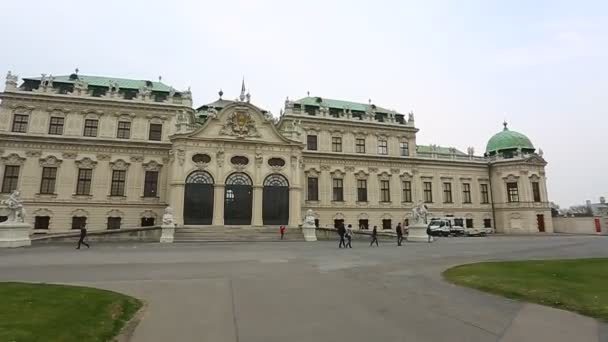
x,y
237,199
275,203
198,198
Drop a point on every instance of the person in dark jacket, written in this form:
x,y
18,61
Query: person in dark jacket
x,y
399,234
429,232
342,233
83,234
374,236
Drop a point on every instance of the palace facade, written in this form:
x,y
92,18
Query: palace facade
x,y
113,153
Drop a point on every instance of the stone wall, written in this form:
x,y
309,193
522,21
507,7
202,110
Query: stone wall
x,y
147,234
579,225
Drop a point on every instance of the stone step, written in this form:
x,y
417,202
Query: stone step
x,y
228,234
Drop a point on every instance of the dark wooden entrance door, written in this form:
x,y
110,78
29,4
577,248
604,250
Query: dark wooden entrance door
x,y
540,219
238,200
198,199
275,203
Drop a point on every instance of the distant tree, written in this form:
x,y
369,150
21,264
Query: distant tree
x,y
580,210
555,211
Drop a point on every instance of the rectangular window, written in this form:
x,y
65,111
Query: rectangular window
x,y
512,192
447,192
114,222
536,191
83,186
124,130
385,191
78,222
458,222
56,125
485,195
311,142
466,193
469,223
360,146
118,183
404,148
487,223
387,224
90,127
147,221
11,178
313,189
361,190
151,184
338,190
336,144
42,222
407,191
156,132
382,147
363,224
20,123
49,175
428,192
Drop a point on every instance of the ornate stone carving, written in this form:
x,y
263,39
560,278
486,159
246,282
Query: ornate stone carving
x,y
50,161
349,168
312,172
85,163
361,174
181,156
33,154
240,124
69,155
395,171
294,162
152,166
372,169
325,167
384,176
338,173
168,219
136,159
104,157
219,156
119,165
11,81
15,207
13,159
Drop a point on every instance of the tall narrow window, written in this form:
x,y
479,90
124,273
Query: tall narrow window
x,y
407,191
469,223
360,145
20,123
338,189
336,144
118,183
466,193
382,146
361,190
404,148
536,191
79,222
124,130
485,195
487,223
385,191
90,127
49,175
313,189
10,179
83,186
447,192
512,192
114,222
311,142
42,222
156,132
151,184
56,125
428,192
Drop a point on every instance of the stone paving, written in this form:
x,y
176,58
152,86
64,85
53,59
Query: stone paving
x,y
297,291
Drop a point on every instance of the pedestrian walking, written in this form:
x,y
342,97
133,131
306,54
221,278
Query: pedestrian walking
x,y
342,233
429,233
374,236
282,230
399,234
83,234
349,236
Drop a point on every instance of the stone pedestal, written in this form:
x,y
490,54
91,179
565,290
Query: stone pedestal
x,y
310,232
15,234
168,231
417,233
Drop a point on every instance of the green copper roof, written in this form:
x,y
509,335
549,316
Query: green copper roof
x,y
105,82
339,104
438,150
507,140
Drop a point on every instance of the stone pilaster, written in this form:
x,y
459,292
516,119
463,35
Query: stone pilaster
x,y
257,206
218,204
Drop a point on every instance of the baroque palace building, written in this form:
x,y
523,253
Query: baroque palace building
x,y
113,153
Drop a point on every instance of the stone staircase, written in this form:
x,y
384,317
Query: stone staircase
x,y
235,234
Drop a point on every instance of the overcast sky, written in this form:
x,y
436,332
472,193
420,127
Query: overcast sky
x,y
462,66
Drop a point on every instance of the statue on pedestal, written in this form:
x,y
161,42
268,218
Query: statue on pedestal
x,y
15,206
419,213
168,219
309,228
309,219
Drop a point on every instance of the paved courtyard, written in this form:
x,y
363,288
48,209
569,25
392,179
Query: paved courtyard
x,y
296,291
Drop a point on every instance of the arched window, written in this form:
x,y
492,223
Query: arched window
x,y
200,177
276,180
238,179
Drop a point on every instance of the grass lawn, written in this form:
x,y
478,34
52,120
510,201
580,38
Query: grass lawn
x,y
42,312
579,285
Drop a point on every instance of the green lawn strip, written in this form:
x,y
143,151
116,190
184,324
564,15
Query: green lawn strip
x,y
579,285
44,312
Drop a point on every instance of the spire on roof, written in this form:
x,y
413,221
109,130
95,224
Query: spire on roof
x,y
308,93
242,96
220,93
76,71
504,123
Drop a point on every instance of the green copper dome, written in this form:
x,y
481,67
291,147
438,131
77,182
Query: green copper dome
x,y
508,140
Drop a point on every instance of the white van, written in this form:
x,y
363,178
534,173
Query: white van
x,y
446,226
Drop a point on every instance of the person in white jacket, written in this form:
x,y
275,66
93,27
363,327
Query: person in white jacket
x,y
349,236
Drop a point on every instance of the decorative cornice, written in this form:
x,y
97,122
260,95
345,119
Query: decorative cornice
x,y
13,159
50,161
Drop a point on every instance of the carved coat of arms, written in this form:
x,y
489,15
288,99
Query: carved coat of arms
x,y
241,124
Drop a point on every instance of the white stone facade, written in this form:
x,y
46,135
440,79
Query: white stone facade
x,y
47,140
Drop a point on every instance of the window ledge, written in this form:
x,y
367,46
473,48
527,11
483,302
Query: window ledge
x,y
45,195
117,197
339,202
82,196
